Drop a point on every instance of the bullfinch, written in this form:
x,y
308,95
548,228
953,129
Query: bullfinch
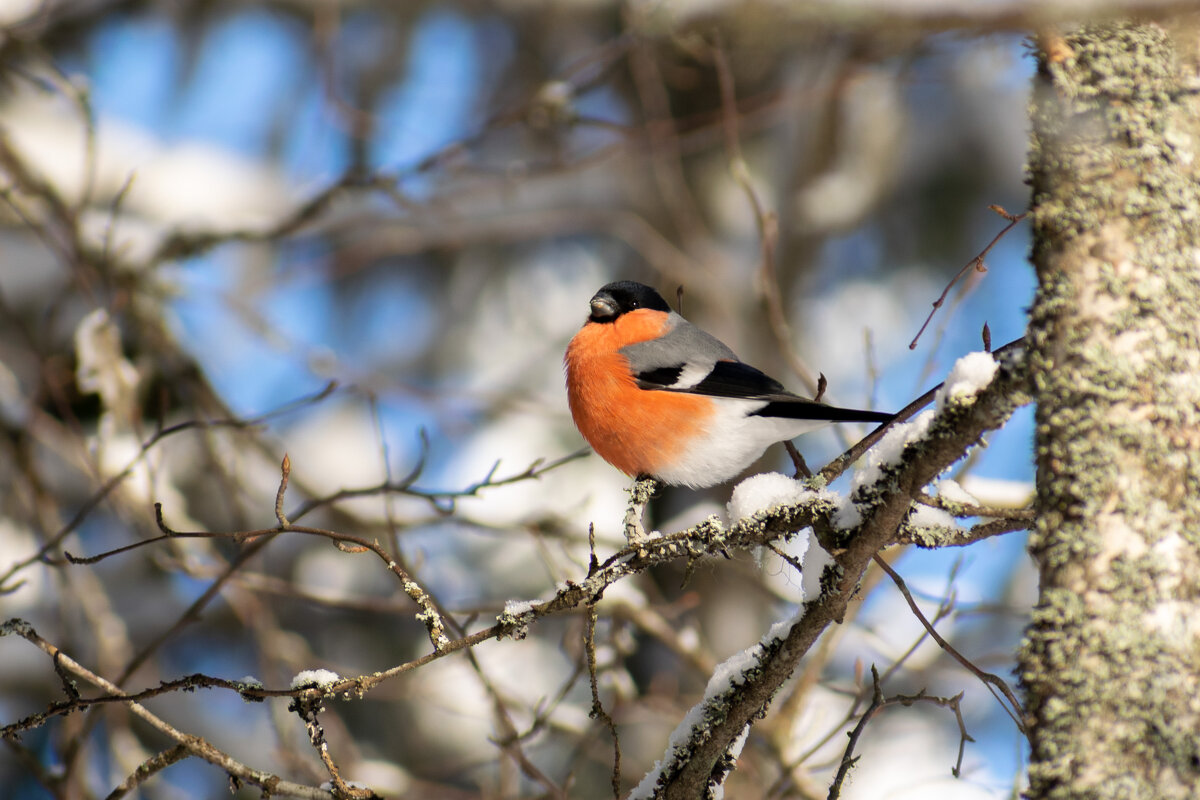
x,y
655,395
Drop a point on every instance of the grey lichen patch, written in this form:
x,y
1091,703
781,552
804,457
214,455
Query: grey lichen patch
x,y
929,536
755,526
17,626
712,529
516,619
246,686
831,577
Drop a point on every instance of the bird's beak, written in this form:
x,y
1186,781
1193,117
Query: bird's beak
x,y
603,308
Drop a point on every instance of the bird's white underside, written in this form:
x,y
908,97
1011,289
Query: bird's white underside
x,y
732,440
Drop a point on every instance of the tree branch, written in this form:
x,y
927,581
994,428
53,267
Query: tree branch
x,y
693,768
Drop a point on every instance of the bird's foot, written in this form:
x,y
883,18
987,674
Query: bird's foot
x,y
640,493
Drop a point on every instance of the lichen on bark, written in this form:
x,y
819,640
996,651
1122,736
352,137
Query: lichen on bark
x,y
1111,660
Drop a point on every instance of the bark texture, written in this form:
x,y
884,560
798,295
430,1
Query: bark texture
x,y
1111,661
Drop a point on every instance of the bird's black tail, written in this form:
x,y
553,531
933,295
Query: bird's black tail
x,y
809,409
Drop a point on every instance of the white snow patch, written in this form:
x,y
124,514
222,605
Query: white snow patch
x,y
889,449
724,677
924,516
778,631
886,451
951,491
847,516
735,749
517,608
999,493
764,492
319,677
969,375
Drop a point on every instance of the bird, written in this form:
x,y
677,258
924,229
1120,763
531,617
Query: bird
x,y
655,396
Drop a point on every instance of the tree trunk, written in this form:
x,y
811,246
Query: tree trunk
x,y
1111,661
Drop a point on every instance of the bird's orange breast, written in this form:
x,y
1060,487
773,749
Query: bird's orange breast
x,y
638,431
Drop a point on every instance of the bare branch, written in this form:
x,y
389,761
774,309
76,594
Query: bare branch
x,y
995,684
194,744
597,711
878,703
975,263
285,470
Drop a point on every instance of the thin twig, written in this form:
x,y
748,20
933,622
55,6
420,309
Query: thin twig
x,y
441,499
307,705
802,470
848,758
148,769
993,682
878,703
597,711
975,263
285,470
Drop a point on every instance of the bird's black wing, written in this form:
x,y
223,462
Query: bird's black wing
x,y
736,379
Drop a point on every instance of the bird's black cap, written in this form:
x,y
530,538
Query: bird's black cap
x,y
620,297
